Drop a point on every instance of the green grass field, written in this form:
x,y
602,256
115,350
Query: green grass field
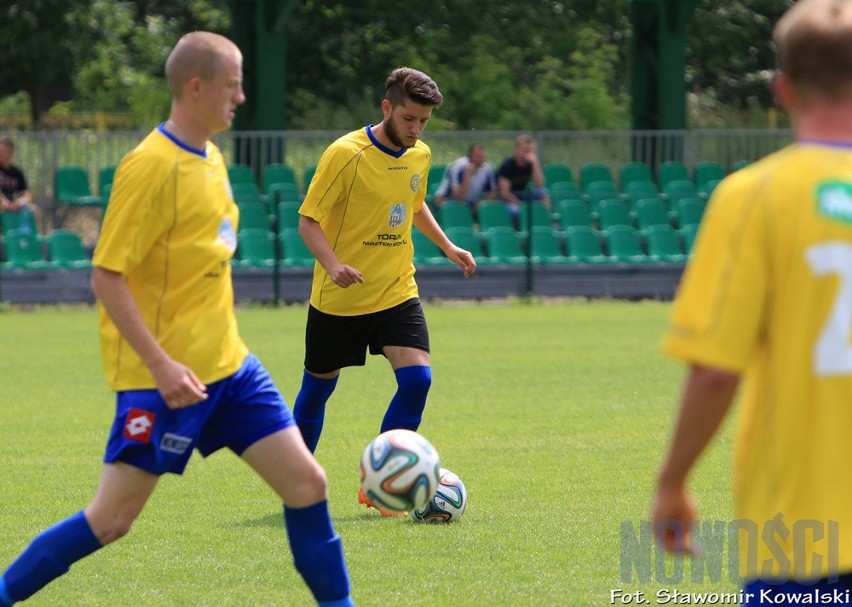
x,y
554,415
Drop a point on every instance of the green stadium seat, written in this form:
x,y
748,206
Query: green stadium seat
x,y
67,250
664,244
545,247
288,214
256,249
688,211
72,189
651,212
706,171
23,251
308,176
624,244
427,252
492,214
634,171
613,212
253,216
435,177
23,219
540,215
241,173
467,239
563,189
504,247
105,177
574,213
592,172
294,251
277,173
555,172
584,245
455,213
672,170
279,192
679,188
707,189
688,233
598,190
636,190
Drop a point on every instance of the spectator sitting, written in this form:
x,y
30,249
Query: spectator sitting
x,y
519,170
469,178
14,192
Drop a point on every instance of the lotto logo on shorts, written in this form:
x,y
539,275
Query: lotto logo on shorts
x,y
138,424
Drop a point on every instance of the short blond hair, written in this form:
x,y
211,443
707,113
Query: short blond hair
x,y
197,55
812,44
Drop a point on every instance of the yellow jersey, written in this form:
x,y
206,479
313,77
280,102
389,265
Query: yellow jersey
x,y
768,294
171,230
364,196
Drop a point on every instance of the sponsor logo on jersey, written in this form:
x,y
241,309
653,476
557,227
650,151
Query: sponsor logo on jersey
x,y
228,235
138,425
415,183
834,200
396,216
174,443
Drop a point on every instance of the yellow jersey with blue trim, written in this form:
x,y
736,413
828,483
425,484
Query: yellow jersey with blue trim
x,y
171,229
364,196
768,294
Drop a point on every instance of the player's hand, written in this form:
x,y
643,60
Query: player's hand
x,y
464,259
345,276
672,519
178,385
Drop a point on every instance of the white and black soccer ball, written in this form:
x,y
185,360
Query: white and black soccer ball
x,y
447,505
400,470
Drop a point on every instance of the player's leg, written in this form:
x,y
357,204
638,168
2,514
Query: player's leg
x,y
331,343
414,378
309,406
121,495
286,464
404,339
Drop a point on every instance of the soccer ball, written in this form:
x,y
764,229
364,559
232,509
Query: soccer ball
x,y
399,470
448,504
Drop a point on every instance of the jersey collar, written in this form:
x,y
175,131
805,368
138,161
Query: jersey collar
x,y
378,144
181,144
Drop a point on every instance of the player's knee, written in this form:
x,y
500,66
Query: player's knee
x,y
415,380
113,528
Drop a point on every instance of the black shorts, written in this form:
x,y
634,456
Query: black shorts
x,y
333,342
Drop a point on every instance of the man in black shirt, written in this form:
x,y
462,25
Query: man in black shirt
x,y
517,172
14,193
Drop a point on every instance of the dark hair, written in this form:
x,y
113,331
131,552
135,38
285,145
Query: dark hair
x,y
405,83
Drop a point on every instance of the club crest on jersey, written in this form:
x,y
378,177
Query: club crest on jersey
x,y
397,215
834,199
415,183
138,425
228,235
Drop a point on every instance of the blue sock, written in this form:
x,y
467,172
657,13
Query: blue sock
x,y
5,599
309,408
318,553
406,408
48,556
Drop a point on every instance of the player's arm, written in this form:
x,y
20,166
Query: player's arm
x,y
504,188
311,232
706,399
177,383
425,222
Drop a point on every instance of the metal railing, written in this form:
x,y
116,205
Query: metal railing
x,y
40,153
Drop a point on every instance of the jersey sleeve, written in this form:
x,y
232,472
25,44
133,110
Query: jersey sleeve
x,y
718,311
133,220
326,188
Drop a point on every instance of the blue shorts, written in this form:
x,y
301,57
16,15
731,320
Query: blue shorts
x,y
239,411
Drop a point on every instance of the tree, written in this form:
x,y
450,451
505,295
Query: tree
x,y
39,55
